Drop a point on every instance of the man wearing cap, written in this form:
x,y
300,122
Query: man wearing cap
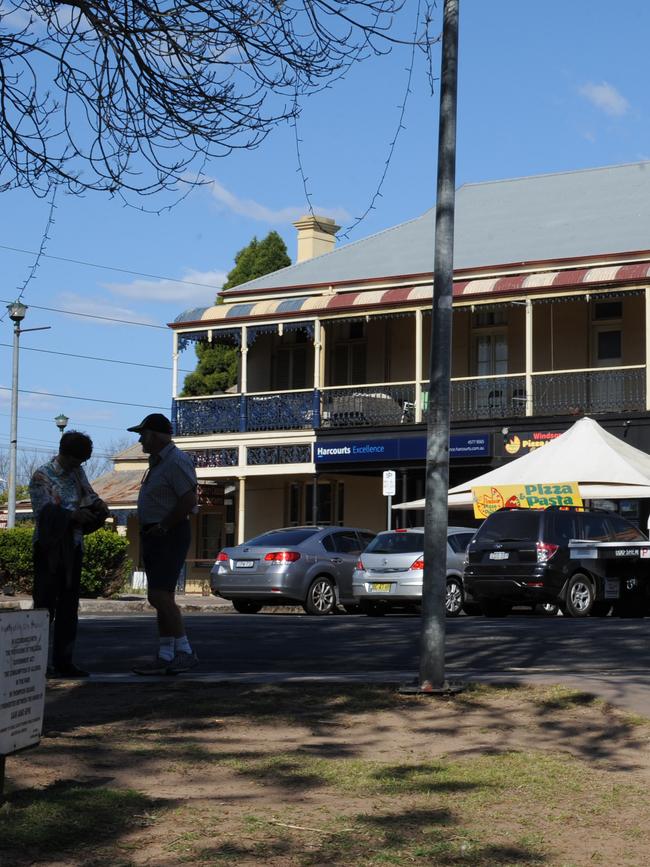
x,y
167,498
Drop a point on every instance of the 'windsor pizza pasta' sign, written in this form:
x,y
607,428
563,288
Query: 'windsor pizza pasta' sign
x,y
490,498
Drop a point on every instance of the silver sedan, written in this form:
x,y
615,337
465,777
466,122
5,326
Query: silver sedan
x,y
308,566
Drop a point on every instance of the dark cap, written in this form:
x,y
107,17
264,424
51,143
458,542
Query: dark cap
x,y
156,422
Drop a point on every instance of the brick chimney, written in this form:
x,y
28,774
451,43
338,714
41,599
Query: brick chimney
x,y
316,235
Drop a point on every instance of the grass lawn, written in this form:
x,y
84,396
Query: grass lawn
x,y
174,773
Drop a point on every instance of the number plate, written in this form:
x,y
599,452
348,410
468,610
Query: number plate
x,y
380,588
244,564
499,555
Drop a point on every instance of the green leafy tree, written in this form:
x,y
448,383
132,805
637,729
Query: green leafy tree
x,y
216,370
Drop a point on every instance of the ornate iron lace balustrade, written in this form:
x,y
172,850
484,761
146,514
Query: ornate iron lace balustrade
x,y
205,415
500,397
368,406
258,455
590,391
284,411
227,457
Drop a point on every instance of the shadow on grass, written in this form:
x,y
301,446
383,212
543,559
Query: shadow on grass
x,y
410,836
69,814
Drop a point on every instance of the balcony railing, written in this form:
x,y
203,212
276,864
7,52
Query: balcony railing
x,y
370,405
614,389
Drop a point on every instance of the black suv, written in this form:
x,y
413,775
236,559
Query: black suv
x,y
522,557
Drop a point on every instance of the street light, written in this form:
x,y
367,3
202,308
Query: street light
x,y
17,311
61,421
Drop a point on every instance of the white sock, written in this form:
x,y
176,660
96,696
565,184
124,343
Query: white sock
x,y
182,645
166,649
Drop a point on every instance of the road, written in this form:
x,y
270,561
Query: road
x,y
608,656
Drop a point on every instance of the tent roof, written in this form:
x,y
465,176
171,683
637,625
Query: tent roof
x,y
603,465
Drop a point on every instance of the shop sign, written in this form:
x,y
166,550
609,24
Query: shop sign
x,y
411,448
488,498
521,443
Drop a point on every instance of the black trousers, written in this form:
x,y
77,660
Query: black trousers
x,y
59,593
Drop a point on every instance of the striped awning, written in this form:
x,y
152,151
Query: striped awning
x,y
331,303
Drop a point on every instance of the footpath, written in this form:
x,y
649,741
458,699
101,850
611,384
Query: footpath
x,y
126,603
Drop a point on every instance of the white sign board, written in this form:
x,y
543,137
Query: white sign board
x,y
389,483
23,663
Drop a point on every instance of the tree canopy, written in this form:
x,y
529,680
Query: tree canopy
x,y
136,95
217,366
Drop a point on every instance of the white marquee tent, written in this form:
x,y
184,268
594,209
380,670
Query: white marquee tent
x,y
604,466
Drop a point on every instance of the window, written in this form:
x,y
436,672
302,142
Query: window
x,y
290,361
623,531
346,542
458,542
349,360
490,342
608,310
366,539
594,527
397,543
283,537
562,527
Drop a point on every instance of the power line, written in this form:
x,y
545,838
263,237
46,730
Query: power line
x,y
92,316
90,399
50,421
94,358
111,268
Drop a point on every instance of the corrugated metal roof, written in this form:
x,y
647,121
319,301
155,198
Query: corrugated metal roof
x,y
119,488
543,218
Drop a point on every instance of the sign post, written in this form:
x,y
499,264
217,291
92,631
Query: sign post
x,y
389,487
23,663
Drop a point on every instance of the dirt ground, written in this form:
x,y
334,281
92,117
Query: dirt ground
x,y
172,773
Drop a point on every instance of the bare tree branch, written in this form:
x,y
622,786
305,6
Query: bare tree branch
x,y
130,95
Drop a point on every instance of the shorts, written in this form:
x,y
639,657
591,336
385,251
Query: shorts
x,y
164,556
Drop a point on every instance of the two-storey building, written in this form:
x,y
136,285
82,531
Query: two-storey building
x,y
551,321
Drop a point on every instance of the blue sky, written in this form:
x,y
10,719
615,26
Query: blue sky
x,y
544,87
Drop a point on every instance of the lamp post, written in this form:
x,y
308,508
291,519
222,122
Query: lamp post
x,y
17,311
61,421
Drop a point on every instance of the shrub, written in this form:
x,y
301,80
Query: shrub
x,y
106,566
16,558
105,571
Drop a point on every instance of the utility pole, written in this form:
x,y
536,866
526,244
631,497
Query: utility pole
x,y
434,586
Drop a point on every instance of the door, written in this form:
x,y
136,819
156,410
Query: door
x,y
346,551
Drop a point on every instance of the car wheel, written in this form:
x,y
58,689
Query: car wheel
x,y
580,596
246,606
495,608
550,609
321,597
454,598
372,609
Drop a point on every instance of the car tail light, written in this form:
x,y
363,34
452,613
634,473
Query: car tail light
x,y
282,556
419,564
222,557
360,566
545,551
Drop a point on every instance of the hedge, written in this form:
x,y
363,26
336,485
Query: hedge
x,y
106,566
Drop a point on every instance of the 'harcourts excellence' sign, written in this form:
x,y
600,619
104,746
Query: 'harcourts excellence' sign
x,y
412,448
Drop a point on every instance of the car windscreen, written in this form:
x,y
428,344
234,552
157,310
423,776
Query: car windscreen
x,y
396,543
291,536
509,526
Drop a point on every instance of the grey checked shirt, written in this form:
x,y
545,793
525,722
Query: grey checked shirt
x,y
164,484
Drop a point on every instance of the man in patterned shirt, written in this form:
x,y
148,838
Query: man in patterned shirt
x,y
166,500
65,507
